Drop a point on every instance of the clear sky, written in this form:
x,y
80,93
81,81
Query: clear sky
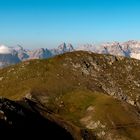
x,y
47,23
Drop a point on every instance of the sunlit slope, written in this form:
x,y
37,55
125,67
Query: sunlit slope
x,y
96,92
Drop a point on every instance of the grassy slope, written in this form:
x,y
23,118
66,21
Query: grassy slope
x,y
84,108
75,92
54,75
59,75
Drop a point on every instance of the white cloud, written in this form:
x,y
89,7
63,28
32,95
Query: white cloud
x,y
5,50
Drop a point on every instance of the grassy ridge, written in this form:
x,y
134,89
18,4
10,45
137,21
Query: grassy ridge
x,y
77,86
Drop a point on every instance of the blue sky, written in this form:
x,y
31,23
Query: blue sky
x,y
47,23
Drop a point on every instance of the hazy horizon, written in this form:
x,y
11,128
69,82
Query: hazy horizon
x,y
48,23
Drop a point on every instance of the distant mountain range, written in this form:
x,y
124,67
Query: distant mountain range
x,y
13,55
127,49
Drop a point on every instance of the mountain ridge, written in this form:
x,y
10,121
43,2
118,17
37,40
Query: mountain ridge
x,y
129,49
79,91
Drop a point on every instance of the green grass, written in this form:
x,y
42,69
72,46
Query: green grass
x,y
109,111
69,92
56,75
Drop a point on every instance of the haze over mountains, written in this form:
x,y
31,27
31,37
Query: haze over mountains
x,y
13,55
127,49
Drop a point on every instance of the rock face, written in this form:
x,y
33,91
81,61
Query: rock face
x,y
39,54
63,48
127,49
21,52
91,96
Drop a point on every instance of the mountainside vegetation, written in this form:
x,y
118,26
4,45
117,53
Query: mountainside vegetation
x,y
92,96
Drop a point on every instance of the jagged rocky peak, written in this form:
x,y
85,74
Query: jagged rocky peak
x,y
65,47
132,43
39,53
24,54
19,48
70,47
62,48
127,49
116,43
